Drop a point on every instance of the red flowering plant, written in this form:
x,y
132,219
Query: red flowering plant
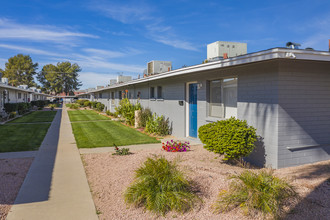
x,y
175,146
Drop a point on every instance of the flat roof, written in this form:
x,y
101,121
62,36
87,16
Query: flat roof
x,y
274,53
20,89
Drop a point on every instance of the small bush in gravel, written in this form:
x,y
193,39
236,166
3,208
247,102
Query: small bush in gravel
x,y
255,192
232,138
160,187
122,151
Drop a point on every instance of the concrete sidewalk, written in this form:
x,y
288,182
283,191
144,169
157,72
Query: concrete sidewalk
x,y
56,186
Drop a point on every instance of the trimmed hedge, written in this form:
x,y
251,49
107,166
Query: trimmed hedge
x,y
232,138
21,107
40,103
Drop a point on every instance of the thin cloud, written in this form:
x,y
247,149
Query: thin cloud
x,y
21,49
128,13
142,15
100,63
104,53
12,30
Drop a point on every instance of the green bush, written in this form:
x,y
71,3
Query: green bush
x,y
72,105
158,125
127,110
100,106
40,103
160,187
256,192
87,103
21,107
93,105
11,107
121,151
232,138
144,117
12,114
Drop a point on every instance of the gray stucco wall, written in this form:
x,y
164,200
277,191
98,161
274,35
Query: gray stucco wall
x,y
304,112
287,101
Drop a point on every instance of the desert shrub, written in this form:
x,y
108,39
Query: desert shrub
x,y
232,138
255,192
99,106
127,110
121,151
158,125
144,117
160,187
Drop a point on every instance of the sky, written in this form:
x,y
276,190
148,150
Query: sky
x,y
107,38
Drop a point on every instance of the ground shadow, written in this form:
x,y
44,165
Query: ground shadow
x,y
316,205
37,184
258,156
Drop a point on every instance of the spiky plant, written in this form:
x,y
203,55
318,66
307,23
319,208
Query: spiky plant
x,y
160,187
256,192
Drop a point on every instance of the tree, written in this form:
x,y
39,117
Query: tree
x,y
20,70
60,78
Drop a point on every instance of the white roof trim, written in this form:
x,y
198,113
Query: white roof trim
x,y
275,53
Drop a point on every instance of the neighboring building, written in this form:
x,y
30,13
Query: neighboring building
x,y
223,50
284,93
12,94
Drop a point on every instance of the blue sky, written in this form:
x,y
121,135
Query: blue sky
x,y
109,37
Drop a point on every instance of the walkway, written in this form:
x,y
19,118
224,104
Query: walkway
x,y
55,186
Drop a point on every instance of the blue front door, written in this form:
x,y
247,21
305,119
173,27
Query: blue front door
x,y
193,110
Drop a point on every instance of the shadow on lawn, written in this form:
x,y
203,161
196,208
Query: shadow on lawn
x,y
37,184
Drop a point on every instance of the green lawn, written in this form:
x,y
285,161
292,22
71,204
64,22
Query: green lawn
x,y
24,137
37,116
106,133
85,115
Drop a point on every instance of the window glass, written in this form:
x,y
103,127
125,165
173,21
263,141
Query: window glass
x,y
120,95
223,98
215,101
159,92
152,92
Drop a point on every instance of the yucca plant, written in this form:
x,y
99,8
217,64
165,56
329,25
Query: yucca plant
x,y
160,187
256,192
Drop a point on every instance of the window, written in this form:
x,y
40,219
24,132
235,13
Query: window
x,y
19,95
152,92
223,98
113,95
120,95
159,92
100,95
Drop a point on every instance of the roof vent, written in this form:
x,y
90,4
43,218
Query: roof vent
x,y
292,45
309,48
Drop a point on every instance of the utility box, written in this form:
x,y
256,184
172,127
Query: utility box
x,y
225,49
155,67
121,79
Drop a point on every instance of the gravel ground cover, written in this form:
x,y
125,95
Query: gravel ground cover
x,y
110,175
12,175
